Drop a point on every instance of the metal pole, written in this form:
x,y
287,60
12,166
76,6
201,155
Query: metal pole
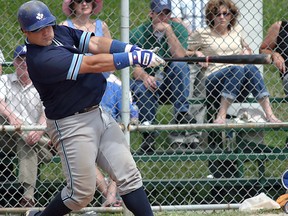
x,y
125,112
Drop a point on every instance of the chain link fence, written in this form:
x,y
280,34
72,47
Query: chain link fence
x,y
182,162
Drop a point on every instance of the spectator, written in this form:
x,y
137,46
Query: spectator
x,y
80,12
276,44
227,83
148,87
2,59
21,105
190,13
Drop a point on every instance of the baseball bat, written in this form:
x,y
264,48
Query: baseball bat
x,y
229,59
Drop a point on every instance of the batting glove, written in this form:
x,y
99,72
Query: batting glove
x,y
131,48
146,58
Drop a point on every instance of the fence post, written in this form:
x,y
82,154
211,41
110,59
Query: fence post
x,y
125,112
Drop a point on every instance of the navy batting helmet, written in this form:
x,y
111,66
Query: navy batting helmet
x,y
35,15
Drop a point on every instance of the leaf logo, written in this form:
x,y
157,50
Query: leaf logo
x,y
39,16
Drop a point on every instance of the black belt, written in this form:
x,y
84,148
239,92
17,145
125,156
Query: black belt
x,y
87,109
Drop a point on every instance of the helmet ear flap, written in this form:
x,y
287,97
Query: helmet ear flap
x,y
34,15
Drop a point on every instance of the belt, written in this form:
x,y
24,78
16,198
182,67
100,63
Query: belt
x,y
87,109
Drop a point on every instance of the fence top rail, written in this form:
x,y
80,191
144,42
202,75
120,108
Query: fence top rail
x,y
207,126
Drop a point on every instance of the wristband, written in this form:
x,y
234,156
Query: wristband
x,y
122,60
117,47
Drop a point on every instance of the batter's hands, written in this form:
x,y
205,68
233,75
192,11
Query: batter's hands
x,y
146,58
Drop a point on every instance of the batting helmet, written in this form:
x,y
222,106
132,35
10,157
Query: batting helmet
x,y
35,15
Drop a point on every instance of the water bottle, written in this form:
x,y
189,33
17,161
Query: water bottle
x,y
134,113
159,76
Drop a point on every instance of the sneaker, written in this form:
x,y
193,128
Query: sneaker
x,y
185,118
147,146
33,213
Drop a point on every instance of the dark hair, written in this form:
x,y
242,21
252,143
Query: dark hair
x,y
71,7
212,9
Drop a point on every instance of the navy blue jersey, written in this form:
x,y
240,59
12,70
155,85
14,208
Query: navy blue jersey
x,y
54,71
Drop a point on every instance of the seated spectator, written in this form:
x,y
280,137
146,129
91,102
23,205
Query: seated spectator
x,y
226,83
20,104
168,84
190,13
2,59
79,16
276,44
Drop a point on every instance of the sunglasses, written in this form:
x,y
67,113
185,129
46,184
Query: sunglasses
x,y
225,14
81,1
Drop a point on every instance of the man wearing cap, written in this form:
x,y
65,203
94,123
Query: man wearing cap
x,y
171,82
71,85
20,104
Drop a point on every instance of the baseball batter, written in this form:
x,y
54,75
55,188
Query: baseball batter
x,y
71,86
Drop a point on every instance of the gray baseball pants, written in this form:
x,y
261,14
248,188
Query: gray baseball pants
x,y
82,140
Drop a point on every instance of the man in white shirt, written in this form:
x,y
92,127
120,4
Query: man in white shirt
x,y
20,104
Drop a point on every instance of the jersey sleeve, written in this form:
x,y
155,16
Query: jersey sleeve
x,y
57,65
75,37
62,60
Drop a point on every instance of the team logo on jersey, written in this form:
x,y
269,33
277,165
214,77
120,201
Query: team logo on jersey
x,y
39,16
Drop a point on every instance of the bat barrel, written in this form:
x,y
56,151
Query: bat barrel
x,y
229,59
